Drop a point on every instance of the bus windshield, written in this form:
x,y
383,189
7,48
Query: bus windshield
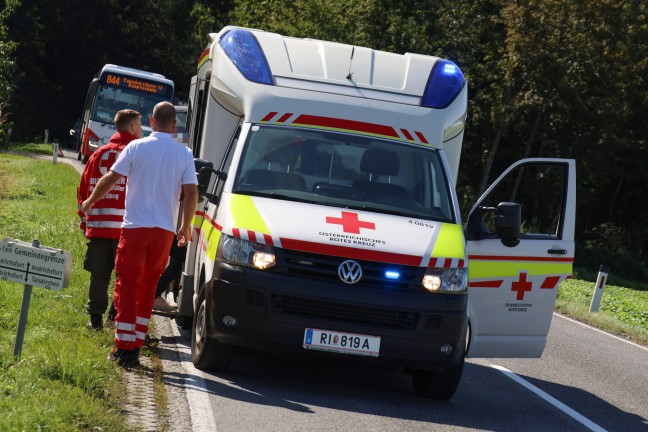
x,y
342,170
111,99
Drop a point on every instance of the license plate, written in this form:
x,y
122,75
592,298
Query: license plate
x,y
346,343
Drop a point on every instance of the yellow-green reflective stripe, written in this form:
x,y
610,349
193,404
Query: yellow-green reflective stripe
x,y
197,221
484,269
450,242
212,244
245,214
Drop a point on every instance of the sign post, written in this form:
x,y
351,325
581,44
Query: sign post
x,y
33,265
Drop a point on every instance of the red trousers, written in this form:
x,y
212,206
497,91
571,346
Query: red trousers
x,y
142,255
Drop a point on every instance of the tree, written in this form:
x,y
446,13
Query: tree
x,y
7,72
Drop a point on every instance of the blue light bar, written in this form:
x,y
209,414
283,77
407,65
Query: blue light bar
x,y
245,52
444,84
390,274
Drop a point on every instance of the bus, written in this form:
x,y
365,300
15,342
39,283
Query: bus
x,y
112,89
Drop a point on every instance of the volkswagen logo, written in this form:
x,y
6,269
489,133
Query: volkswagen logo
x,y
350,272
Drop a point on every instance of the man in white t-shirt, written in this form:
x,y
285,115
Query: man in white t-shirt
x,y
158,170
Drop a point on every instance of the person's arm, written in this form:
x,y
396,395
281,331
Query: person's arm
x,y
190,192
105,184
82,194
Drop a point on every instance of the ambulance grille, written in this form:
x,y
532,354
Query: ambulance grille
x,y
325,267
342,312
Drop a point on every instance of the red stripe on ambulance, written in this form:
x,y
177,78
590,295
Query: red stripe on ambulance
x,y
352,125
284,117
269,117
550,282
486,284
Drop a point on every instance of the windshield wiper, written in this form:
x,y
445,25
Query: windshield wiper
x,y
273,195
395,212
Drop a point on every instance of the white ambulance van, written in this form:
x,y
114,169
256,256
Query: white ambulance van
x,y
329,223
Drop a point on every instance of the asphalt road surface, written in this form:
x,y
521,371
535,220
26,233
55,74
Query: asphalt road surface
x,y
586,380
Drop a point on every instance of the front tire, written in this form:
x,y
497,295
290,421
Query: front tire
x,y
207,353
439,385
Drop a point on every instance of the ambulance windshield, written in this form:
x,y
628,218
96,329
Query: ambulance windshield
x,y
342,170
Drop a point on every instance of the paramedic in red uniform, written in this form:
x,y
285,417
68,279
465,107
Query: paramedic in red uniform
x,y
158,170
102,223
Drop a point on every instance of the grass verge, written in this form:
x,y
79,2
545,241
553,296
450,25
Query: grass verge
x,y
31,148
62,380
623,311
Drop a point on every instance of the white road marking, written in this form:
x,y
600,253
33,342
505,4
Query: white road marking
x,y
601,331
200,410
553,401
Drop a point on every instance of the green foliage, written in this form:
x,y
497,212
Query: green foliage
x,y
622,310
62,380
546,78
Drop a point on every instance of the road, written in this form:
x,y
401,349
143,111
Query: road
x,y
586,380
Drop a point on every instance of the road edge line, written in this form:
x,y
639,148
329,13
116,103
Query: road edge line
x,y
550,399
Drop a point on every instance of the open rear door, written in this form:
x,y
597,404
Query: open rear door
x,y
512,288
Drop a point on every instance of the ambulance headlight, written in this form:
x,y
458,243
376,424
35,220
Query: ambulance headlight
x,y
446,280
93,143
246,253
242,47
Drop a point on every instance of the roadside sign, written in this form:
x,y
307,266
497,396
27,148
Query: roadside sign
x,y
34,265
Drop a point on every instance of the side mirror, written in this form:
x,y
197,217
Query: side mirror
x,y
508,219
204,171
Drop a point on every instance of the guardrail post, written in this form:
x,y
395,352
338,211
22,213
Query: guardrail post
x,y
55,150
598,288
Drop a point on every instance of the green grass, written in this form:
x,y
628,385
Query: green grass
x,y
62,380
32,148
623,311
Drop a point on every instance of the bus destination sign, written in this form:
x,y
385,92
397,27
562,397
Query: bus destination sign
x,y
129,82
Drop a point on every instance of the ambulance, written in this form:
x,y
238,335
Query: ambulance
x,y
329,225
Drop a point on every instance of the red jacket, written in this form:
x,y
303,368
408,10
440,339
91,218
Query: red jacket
x,y
105,217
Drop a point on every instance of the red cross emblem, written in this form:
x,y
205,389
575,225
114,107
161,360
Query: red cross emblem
x,y
107,161
350,222
521,286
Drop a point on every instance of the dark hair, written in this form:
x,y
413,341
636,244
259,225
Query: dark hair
x,y
125,117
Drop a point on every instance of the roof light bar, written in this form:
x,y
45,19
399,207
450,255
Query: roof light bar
x,y
444,85
245,52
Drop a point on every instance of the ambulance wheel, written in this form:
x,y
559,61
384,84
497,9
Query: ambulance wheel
x,y
207,353
439,385
79,155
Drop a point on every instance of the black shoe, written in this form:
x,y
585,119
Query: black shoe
x,y
124,358
96,322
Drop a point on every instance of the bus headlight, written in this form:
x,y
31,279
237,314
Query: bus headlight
x,y
446,280
246,253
